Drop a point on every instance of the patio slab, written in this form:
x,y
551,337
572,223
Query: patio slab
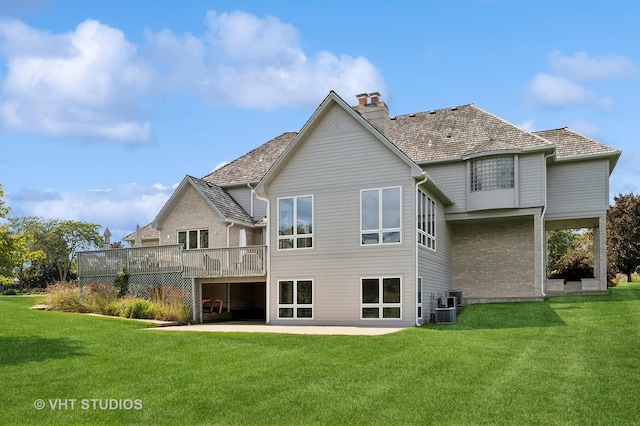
x,y
281,329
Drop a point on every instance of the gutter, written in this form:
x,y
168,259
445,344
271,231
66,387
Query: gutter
x,y
425,178
268,254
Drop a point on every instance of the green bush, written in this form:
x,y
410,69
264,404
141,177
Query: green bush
x,y
135,307
9,292
168,304
64,296
122,282
99,298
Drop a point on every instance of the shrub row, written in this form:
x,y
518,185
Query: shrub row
x,y
161,304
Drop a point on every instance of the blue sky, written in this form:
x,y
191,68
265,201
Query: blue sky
x,y
105,106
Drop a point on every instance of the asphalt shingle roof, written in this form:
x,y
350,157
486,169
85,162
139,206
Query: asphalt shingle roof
x,y
573,144
456,132
224,202
252,166
430,136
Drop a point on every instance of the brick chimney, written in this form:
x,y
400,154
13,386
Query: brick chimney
x,y
375,112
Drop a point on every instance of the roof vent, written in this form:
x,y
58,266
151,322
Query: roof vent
x,y
454,109
432,112
412,115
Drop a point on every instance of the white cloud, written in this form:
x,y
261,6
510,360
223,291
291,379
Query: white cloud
x,y
551,90
566,82
585,68
120,208
91,83
252,62
82,84
528,125
584,127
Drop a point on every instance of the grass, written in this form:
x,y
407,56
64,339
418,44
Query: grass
x,y
568,361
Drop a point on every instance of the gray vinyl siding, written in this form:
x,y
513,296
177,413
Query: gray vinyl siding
x,y
334,164
452,178
435,267
531,169
577,189
243,195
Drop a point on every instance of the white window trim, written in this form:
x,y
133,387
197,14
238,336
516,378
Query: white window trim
x,y
381,305
295,235
295,305
380,231
186,247
429,239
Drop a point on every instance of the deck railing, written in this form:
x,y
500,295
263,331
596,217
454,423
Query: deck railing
x,y
200,263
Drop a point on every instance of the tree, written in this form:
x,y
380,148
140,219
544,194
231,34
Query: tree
x,y
59,240
570,254
559,242
623,233
14,248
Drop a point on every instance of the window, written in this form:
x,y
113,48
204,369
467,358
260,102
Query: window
x,y
194,239
426,221
295,222
380,216
492,173
381,298
295,299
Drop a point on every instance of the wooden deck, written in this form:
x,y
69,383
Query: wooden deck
x,y
201,263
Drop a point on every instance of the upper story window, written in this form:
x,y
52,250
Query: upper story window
x,y
380,215
426,221
194,239
492,173
295,222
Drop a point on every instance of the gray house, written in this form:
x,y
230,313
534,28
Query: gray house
x,y
362,218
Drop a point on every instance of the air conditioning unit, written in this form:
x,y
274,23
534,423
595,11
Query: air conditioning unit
x,y
457,294
445,315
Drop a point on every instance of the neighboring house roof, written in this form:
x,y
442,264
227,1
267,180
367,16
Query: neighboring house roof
x,y
572,145
219,200
147,232
252,166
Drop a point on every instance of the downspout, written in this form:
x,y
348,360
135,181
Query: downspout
x,y
229,233
268,253
424,180
543,234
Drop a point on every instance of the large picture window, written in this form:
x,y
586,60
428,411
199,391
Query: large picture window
x,y
492,173
380,216
426,221
295,299
295,222
381,298
194,239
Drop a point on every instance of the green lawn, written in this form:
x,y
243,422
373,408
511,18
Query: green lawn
x,y
571,360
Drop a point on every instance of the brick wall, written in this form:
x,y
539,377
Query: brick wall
x,y
495,259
